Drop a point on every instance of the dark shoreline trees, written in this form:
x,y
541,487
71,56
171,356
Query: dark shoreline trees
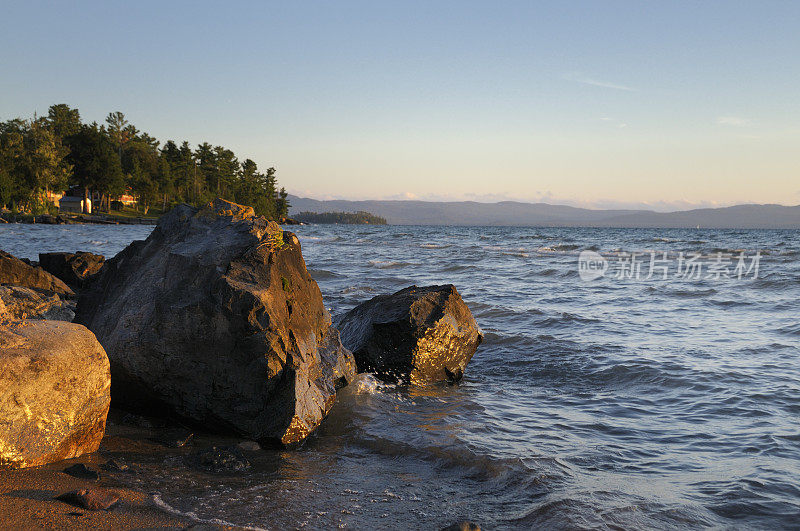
x,y
344,218
60,152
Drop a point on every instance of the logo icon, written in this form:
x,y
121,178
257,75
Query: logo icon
x,y
591,265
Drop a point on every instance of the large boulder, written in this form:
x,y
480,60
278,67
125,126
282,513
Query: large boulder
x,y
54,392
214,318
29,303
75,269
418,335
15,272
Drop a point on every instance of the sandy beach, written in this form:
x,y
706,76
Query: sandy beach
x,y
27,496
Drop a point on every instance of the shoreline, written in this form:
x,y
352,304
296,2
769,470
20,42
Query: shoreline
x,y
82,219
28,495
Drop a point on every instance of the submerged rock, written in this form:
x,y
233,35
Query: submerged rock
x,y
214,318
54,392
75,269
417,335
15,272
220,460
30,303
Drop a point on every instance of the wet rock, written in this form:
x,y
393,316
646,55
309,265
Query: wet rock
x,y
249,446
75,269
174,438
91,499
220,460
15,272
417,335
30,303
54,392
81,471
114,465
215,319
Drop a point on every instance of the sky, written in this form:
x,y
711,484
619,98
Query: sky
x,y
663,105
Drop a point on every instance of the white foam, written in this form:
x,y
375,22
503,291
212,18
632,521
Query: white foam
x,y
164,506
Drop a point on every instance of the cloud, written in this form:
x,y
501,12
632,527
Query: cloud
x,y
733,121
586,80
617,123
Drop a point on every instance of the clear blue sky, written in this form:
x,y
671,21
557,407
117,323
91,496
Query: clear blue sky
x,y
593,103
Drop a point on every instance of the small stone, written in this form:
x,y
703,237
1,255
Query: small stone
x,y
249,446
91,499
115,466
175,438
81,471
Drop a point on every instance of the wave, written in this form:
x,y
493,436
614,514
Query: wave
x,y
518,254
690,293
389,264
191,515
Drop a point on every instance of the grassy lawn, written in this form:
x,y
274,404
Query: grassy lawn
x,y
131,212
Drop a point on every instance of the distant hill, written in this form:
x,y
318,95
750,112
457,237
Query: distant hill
x,y
513,213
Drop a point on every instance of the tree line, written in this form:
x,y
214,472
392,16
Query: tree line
x,y
346,218
55,152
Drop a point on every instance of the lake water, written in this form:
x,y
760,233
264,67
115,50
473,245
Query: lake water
x,y
607,403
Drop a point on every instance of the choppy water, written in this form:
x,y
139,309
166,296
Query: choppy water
x,y
604,404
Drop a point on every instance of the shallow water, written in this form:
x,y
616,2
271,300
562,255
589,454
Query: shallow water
x,y
603,404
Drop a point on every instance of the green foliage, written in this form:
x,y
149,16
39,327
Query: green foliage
x,y
345,218
52,153
32,163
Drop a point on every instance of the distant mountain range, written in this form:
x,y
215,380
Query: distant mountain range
x,y
513,213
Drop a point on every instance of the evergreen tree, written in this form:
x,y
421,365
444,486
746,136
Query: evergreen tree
x,y
52,153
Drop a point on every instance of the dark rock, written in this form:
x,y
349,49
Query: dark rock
x,y
54,392
214,318
131,419
220,460
15,272
249,446
75,269
174,438
81,471
113,465
417,335
91,499
30,303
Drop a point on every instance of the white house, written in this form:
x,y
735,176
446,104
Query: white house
x,y
74,204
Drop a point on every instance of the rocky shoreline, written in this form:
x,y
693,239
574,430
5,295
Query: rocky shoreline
x,y
72,219
211,325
